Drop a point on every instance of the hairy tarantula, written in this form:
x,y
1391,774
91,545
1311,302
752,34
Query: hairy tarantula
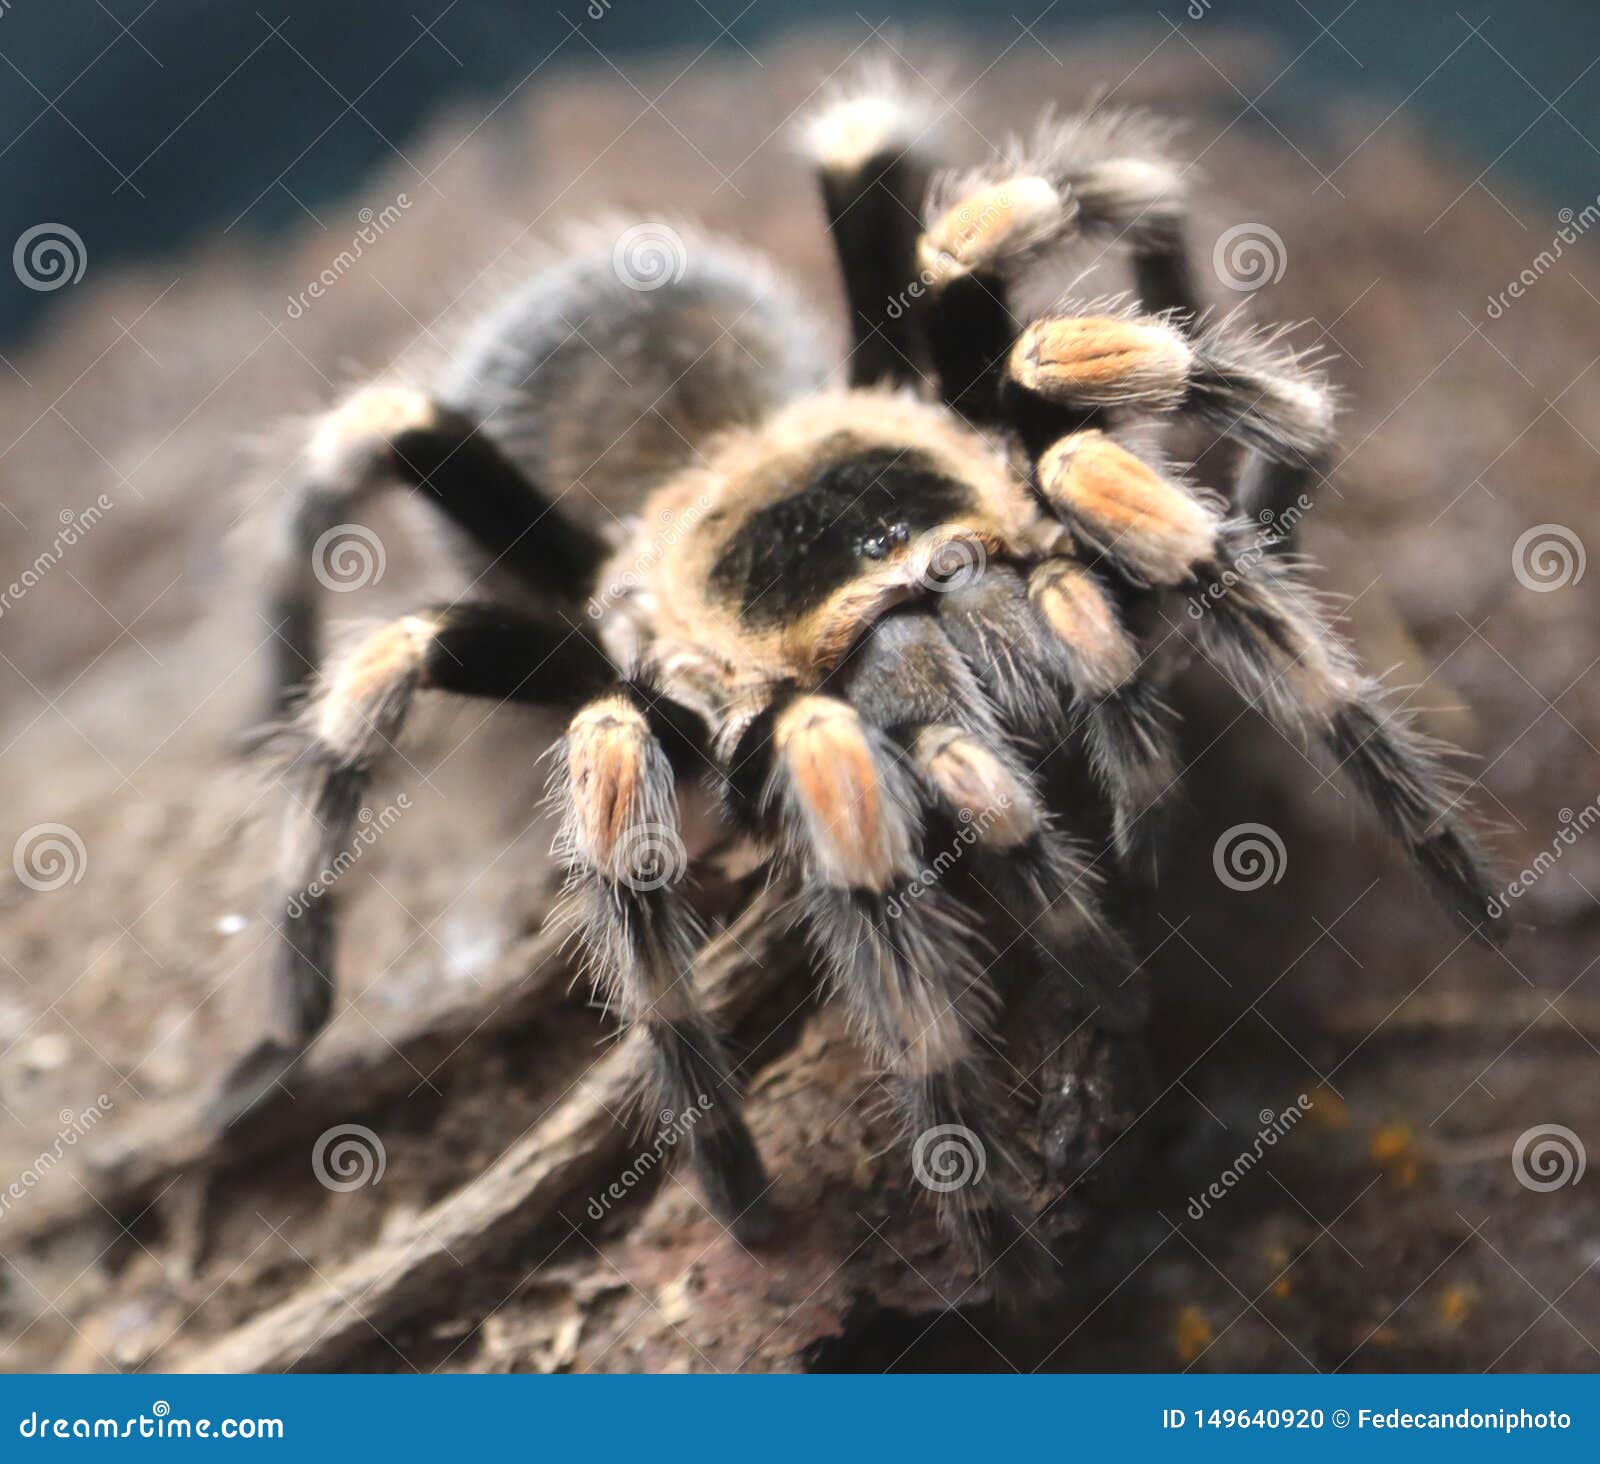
x,y
863,601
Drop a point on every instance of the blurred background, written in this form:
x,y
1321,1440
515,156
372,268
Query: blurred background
x,y
220,217
149,126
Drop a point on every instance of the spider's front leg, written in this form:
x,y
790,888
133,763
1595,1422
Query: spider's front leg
x,y
1257,620
614,786
467,649
387,435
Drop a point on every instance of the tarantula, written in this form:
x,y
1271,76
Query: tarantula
x,y
862,601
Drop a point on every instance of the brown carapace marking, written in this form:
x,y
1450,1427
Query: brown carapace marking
x,y
993,223
835,778
1132,513
1102,361
607,743
1074,606
985,794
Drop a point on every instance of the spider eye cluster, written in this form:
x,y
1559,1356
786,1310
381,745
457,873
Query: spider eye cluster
x,y
878,545
849,513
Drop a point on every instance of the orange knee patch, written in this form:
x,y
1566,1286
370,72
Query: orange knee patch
x,y
1132,513
986,794
362,679
608,743
857,835
1076,609
992,223
1097,360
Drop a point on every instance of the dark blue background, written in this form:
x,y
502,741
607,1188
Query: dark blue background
x,y
146,123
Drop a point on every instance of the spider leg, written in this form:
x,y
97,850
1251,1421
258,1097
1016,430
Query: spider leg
x,y
1130,731
866,141
396,435
1102,175
1242,380
613,782
843,807
469,649
908,679
1256,618
1265,630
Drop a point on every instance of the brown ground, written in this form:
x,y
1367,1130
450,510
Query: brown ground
x,y
1388,1231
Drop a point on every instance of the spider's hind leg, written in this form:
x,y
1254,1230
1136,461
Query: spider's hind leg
x,y
392,435
869,144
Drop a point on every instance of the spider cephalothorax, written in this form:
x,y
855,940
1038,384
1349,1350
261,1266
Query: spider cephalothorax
x,y
862,601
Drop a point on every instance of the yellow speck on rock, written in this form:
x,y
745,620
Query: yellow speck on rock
x,y
1394,1150
1191,1333
1457,1304
1328,1111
